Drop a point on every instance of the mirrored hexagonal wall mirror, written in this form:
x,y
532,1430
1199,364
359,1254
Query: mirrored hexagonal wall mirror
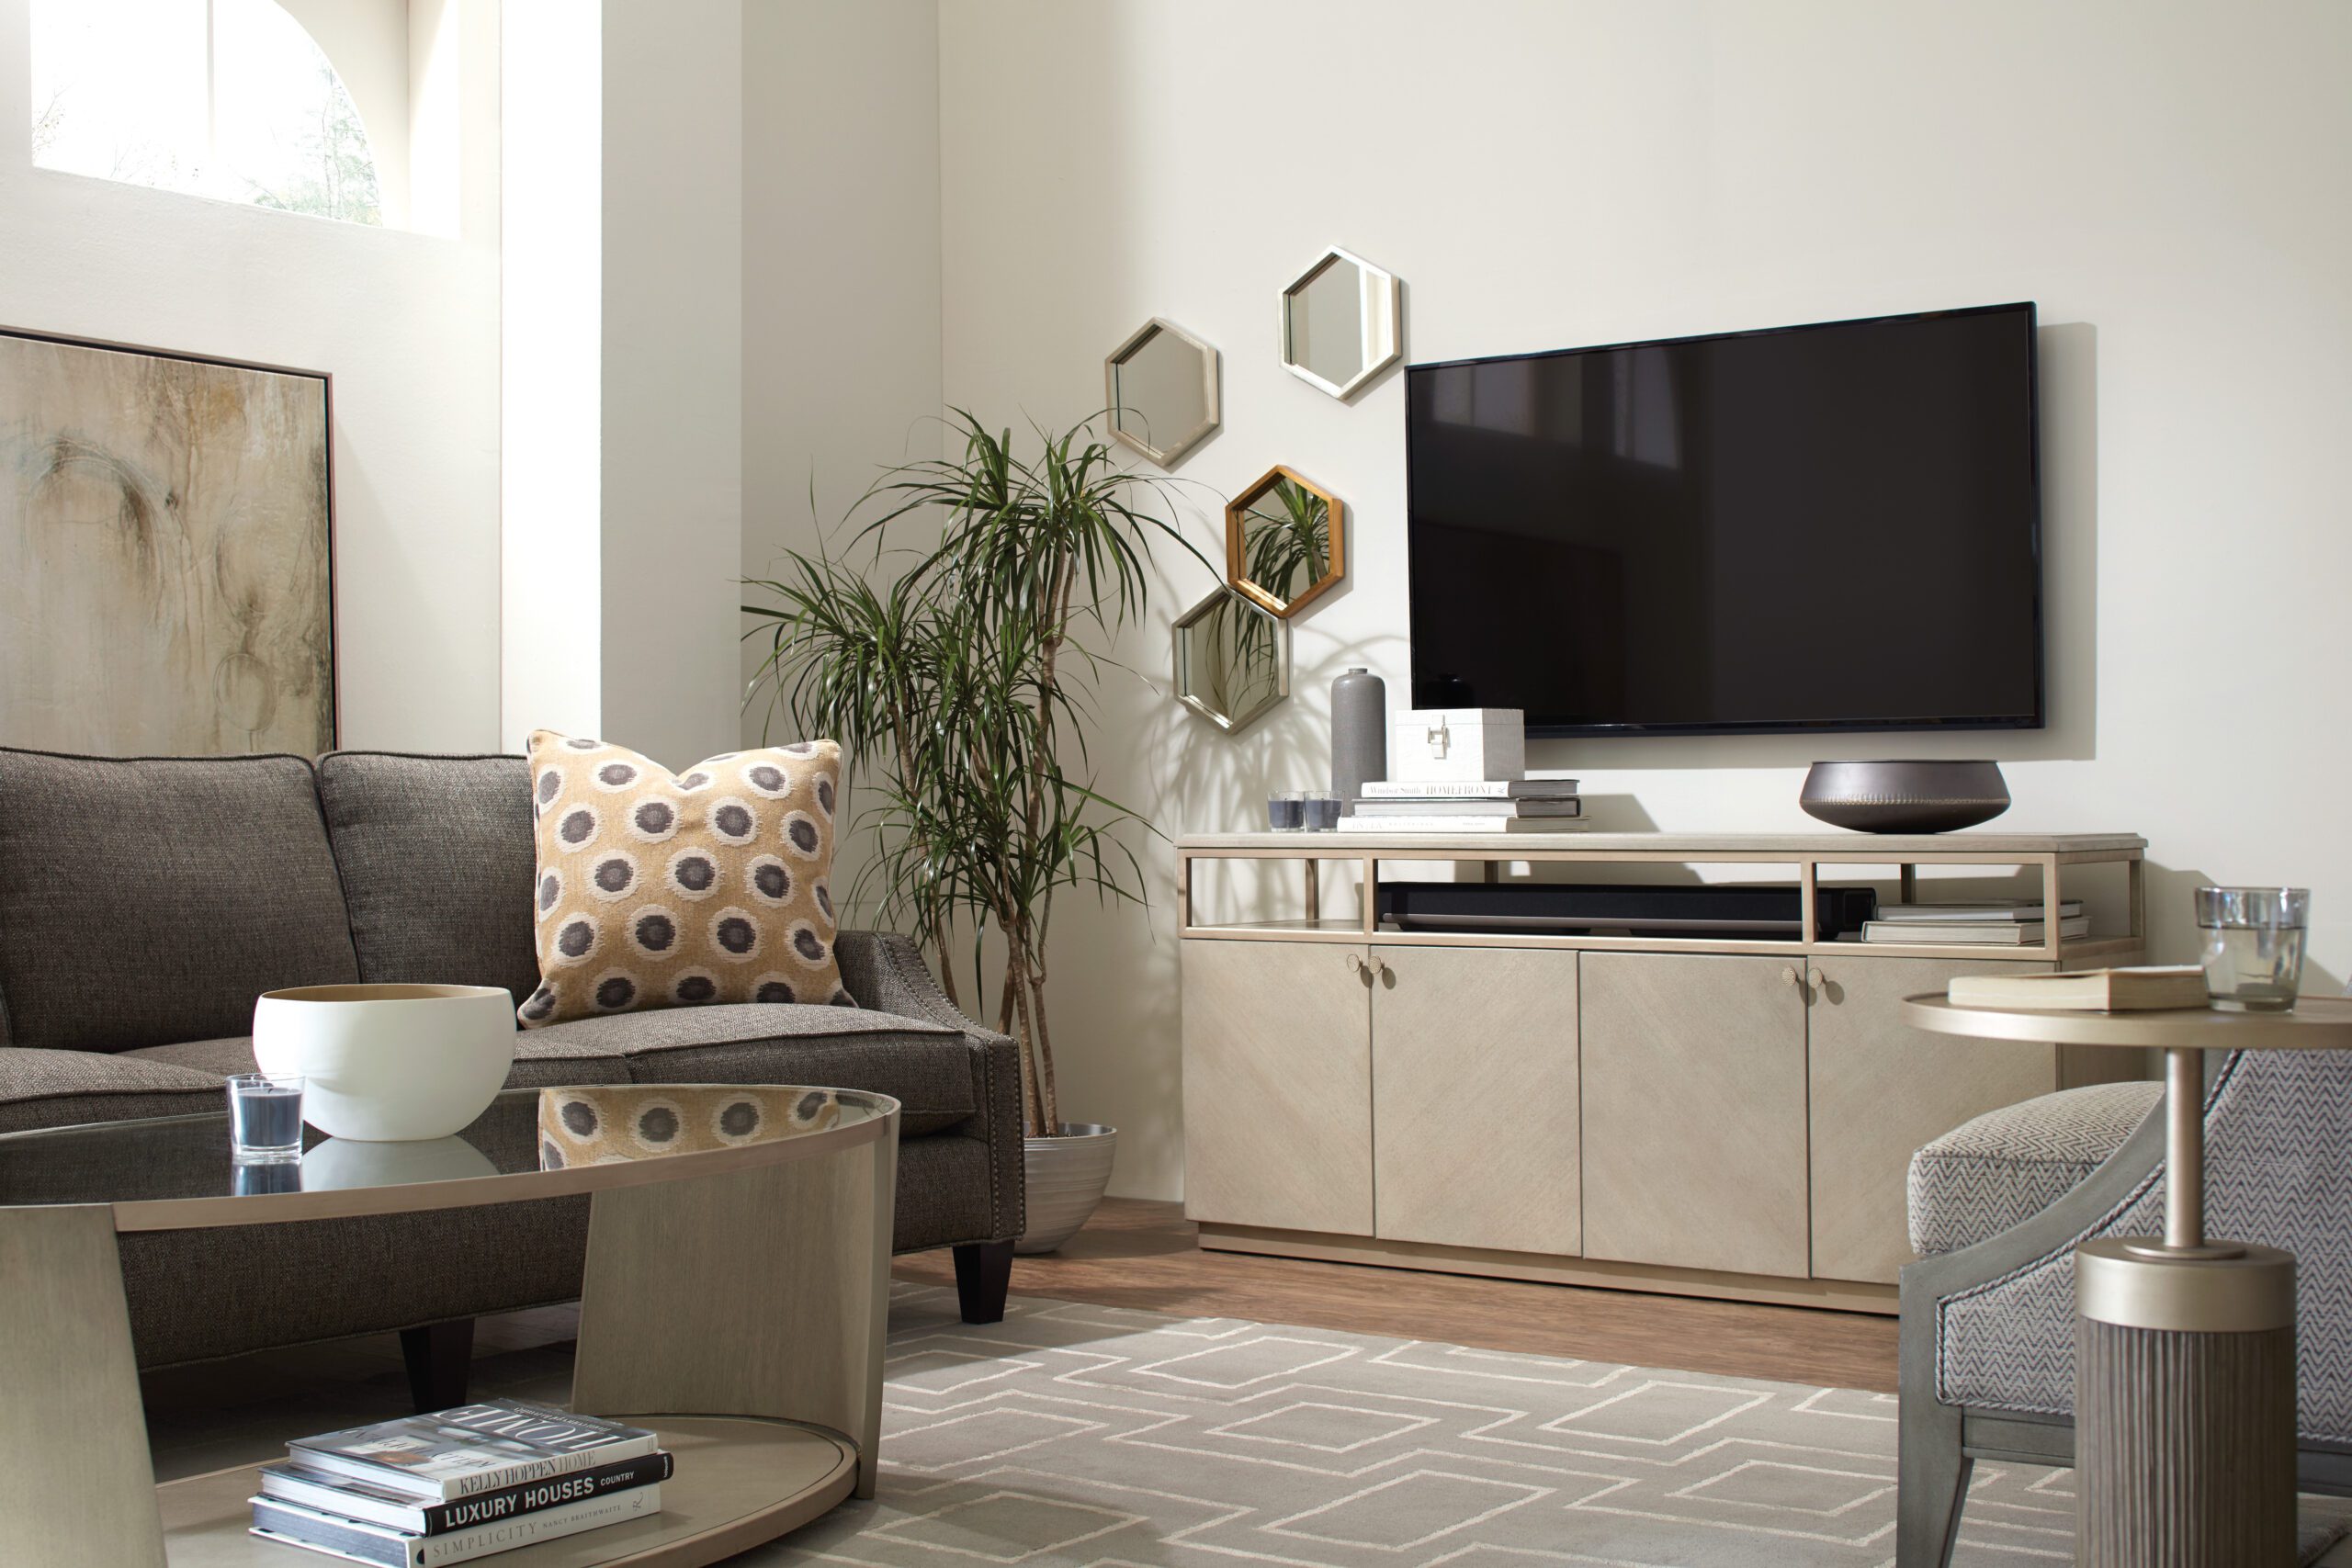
x,y
1232,660
1341,323
1284,541
1160,386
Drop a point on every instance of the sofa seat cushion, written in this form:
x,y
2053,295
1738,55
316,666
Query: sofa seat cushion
x,y
435,856
220,1057
152,900
2009,1165
64,1088
540,1062
925,1066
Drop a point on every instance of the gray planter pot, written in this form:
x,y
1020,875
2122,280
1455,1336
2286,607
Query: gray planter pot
x,y
1066,1177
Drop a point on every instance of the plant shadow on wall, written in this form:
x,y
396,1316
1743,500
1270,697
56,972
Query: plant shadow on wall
x,y
959,678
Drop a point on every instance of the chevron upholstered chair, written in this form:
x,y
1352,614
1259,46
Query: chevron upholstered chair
x,y
1996,1209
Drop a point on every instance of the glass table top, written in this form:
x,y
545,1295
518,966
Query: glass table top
x,y
547,1141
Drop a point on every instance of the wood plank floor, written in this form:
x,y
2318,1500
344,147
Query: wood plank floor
x,y
1139,1254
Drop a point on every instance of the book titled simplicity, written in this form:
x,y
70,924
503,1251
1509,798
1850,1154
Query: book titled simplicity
x,y
472,1448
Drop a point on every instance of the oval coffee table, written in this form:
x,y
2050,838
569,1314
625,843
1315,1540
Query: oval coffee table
x,y
2184,1345
737,1288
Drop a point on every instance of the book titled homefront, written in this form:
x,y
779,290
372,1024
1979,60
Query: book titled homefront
x,y
473,1449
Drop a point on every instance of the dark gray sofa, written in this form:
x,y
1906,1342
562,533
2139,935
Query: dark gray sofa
x,y
144,903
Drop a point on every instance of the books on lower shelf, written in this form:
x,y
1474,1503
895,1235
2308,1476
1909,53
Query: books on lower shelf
x,y
1973,934
2133,990
1937,914
2000,922
459,1484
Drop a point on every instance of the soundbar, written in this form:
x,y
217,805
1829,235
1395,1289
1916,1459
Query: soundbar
x,y
1571,909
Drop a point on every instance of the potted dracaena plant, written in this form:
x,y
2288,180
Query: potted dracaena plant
x,y
956,672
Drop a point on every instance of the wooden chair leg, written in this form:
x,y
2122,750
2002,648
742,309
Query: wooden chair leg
x,y
983,1275
1931,1479
440,1362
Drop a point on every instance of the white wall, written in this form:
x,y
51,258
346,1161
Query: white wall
x,y
841,267
2166,179
407,323
673,326
551,341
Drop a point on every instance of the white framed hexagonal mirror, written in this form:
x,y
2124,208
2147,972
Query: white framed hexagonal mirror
x,y
1342,323
1232,660
1160,388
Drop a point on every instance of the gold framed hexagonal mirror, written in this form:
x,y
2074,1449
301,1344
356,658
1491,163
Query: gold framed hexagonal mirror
x,y
1286,541
1160,386
1232,660
1342,323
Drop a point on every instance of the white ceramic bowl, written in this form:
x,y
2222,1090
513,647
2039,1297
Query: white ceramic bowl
x,y
389,1063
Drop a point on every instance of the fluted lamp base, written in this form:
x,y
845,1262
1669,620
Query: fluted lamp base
x,y
2184,1405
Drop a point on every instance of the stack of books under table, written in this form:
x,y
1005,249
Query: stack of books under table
x,y
458,1483
1465,806
1997,923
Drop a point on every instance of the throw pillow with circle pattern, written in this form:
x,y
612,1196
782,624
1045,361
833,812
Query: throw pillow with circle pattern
x,y
658,890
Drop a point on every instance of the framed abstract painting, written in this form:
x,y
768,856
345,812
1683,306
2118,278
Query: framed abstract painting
x,y
167,552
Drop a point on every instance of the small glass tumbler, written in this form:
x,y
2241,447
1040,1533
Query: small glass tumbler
x,y
265,1117
1319,813
1286,813
2254,945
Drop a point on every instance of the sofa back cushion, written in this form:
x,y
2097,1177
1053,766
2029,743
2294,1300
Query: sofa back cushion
x,y
437,859
147,900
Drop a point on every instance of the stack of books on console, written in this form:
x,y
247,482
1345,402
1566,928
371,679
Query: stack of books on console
x,y
459,1484
1999,923
1465,806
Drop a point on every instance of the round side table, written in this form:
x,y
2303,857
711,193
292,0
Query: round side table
x,y
2184,1345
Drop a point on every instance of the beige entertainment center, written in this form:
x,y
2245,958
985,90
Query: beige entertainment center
x,y
1694,1115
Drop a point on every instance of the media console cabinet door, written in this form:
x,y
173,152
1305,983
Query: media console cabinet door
x,y
1474,1097
1882,1090
1278,1086
1694,1111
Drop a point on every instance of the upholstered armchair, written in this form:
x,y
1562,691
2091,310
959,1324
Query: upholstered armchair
x,y
1996,1209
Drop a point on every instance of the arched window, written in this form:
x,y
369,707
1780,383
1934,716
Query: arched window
x,y
225,98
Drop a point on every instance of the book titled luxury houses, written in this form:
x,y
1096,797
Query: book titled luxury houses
x,y
371,1503
473,1449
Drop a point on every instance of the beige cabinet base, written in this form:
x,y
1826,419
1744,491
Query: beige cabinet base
x,y
1474,1097
1880,1090
1695,1114
1278,1086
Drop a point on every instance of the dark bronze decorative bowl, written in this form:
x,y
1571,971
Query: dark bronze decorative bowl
x,y
1904,797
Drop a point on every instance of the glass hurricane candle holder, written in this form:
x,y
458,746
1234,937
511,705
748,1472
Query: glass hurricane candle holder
x,y
2254,945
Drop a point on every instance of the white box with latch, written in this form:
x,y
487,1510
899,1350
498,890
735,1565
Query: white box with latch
x,y
1442,745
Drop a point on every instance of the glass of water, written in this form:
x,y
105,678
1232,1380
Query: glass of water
x,y
2254,945
265,1117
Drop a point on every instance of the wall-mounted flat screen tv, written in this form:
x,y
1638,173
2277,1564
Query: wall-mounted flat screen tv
x,y
1811,528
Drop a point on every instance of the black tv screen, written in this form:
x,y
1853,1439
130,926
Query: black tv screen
x,y
1809,528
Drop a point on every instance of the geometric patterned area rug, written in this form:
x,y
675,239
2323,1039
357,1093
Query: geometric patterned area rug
x,y
1099,1437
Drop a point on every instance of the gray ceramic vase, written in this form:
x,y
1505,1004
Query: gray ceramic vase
x,y
1904,797
1358,734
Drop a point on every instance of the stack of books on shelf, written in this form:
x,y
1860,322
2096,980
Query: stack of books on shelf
x,y
1465,806
459,1484
2000,923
